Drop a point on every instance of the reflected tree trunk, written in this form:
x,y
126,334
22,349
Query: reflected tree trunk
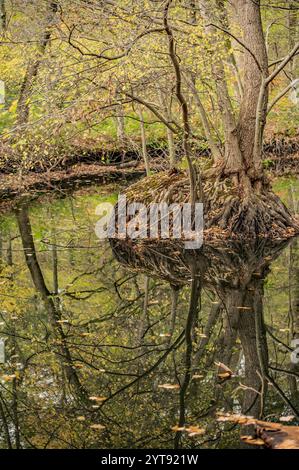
x,y
192,317
48,300
212,319
55,264
144,323
173,311
294,313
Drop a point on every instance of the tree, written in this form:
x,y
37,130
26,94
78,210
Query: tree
x,y
2,15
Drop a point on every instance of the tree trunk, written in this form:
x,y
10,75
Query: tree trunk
x,y
233,157
292,25
120,122
170,135
23,106
205,122
2,16
143,142
194,178
48,301
255,68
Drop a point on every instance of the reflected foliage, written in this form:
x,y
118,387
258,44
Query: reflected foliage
x,y
139,347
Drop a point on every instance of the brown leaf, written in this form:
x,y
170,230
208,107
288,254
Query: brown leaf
x,y
178,428
194,431
274,435
169,386
224,372
98,427
256,441
81,418
98,399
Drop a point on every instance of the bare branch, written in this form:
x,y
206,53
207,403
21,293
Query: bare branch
x,y
282,93
282,65
184,106
154,110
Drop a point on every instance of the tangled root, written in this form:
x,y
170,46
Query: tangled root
x,y
227,211
259,215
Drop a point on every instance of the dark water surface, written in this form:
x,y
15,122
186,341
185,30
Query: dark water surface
x,y
100,355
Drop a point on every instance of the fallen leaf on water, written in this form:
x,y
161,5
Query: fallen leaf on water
x,y
256,441
81,418
194,431
9,378
224,372
286,419
178,428
78,366
98,399
240,419
99,427
169,386
224,375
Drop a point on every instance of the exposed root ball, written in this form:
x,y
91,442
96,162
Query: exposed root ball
x,y
227,211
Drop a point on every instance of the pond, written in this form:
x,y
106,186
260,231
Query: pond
x,y
98,353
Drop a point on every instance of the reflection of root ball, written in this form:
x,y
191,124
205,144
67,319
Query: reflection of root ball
x,y
218,263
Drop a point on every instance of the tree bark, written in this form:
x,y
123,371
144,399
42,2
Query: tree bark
x,y
205,122
143,142
195,180
249,18
233,157
292,25
170,135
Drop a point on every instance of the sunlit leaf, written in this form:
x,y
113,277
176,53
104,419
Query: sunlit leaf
x,y
169,386
98,427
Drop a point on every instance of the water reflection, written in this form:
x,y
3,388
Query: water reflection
x,y
124,348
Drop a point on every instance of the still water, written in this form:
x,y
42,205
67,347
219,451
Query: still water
x,y
139,348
